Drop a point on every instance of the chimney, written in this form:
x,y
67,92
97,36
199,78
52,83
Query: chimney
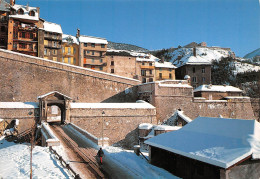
x,y
38,10
162,60
78,33
12,2
194,52
27,6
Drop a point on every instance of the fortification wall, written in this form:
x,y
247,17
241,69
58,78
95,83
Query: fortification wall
x,y
255,102
23,78
120,125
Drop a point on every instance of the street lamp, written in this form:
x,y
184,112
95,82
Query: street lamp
x,y
103,113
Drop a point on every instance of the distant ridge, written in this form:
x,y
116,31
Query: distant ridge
x,y
123,46
253,54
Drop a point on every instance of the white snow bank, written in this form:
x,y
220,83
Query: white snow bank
x,y
166,127
52,27
15,162
112,105
90,39
217,88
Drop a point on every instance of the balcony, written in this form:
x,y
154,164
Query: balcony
x,y
52,46
147,67
93,64
50,37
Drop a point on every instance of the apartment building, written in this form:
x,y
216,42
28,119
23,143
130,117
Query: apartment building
x,y
52,41
70,49
164,71
92,52
4,13
146,67
23,25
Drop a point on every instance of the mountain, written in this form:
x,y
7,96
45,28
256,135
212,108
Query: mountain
x,y
123,46
253,54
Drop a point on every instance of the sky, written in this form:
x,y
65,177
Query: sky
x,y
157,24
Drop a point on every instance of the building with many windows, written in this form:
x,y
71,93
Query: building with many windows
x,y
70,49
92,52
164,71
4,14
52,41
23,25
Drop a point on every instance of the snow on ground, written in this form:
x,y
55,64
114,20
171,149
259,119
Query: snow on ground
x,y
15,162
245,67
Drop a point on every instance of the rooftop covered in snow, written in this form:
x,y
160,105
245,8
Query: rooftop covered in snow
x,y
217,141
164,65
69,39
26,14
52,27
90,39
17,105
217,88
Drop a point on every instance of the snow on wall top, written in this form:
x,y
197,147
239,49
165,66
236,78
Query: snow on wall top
x,y
146,126
18,105
90,39
218,141
26,12
47,94
217,88
183,116
52,27
166,128
66,38
112,105
204,56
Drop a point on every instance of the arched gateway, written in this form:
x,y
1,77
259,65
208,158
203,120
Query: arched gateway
x,y
54,107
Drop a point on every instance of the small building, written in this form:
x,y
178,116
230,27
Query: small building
x,y
70,49
216,92
164,71
209,148
178,119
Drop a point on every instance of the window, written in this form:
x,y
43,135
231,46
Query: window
x,y
22,45
54,52
31,13
160,69
74,61
100,68
88,51
85,44
144,80
2,28
150,64
92,45
143,72
74,50
151,72
193,69
31,35
15,46
102,45
69,50
170,76
93,60
160,75
55,44
23,34
69,60
101,60
203,80
194,79
45,51
93,52
112,71
30,46
100,53
150,79
203,70
27,35
142,63
112,63
20,12
170,70
63,49
63,59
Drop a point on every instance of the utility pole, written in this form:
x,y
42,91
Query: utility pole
x,y
103,113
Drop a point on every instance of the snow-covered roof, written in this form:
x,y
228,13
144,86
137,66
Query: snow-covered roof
x,y
18,105
218,141
164,65
4,6
179,85
66,38
90,39
52,92
146,126
183,116
52,27
26,12
166,128
204,56
112,105
217,88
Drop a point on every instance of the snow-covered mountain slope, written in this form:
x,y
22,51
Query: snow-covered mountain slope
x,y
182,56
244,67
253,54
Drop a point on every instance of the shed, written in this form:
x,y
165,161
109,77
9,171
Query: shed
x,y
209,148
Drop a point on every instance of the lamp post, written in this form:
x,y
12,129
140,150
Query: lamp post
x,y
103,113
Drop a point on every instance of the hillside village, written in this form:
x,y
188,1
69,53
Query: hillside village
x,y
187,112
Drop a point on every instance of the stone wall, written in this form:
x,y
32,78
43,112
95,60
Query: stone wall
x,y
120,125
23,78
169,96
255,102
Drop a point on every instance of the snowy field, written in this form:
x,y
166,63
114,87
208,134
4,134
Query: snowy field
x,y
15,162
